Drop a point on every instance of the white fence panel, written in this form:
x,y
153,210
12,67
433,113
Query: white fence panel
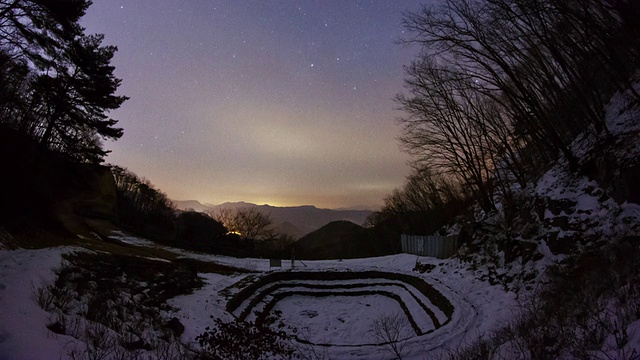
x,y
432,245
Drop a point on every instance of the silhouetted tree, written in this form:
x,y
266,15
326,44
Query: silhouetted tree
x,y
68,82
249,223
446,125
74,100
142,207
425,203
502,87
13,89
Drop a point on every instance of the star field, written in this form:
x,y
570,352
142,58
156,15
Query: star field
x,y
279,102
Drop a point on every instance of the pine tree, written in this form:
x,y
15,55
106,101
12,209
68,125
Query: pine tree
x,y
77,94
72,85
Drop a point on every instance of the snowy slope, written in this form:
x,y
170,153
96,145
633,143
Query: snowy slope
x,y
479,307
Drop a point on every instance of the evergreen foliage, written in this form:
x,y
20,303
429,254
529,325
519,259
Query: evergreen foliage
x,y
58,84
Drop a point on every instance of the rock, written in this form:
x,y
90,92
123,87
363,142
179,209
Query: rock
x,y
561,222
620,180
136,345
539,207
625,185
175,326
466,233
422,268
558,206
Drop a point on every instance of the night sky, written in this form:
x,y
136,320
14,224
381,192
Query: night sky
x,y
279,102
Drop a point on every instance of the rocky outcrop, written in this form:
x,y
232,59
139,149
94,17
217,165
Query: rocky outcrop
x,y
621,182
44,189
87,195
616,168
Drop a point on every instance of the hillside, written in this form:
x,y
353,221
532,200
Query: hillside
x,y
293,220
339,240
46,192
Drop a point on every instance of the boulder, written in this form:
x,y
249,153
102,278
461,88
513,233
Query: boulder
x,y
175,326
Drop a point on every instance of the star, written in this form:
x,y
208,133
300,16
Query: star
x,y
266,74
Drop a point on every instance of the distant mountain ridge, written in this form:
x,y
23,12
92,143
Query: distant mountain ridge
x,y
296,221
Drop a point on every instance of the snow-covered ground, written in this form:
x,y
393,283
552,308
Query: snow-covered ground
x,y
478,306
23,332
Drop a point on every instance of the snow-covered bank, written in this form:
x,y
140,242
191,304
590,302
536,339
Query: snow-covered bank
x,y
478,306
23,332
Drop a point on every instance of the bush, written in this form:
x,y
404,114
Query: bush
x,y
237,340
115,306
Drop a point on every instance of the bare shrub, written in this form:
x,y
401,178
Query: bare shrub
x,y
100,341
392,331
113,316
308,351
170,350
44,297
